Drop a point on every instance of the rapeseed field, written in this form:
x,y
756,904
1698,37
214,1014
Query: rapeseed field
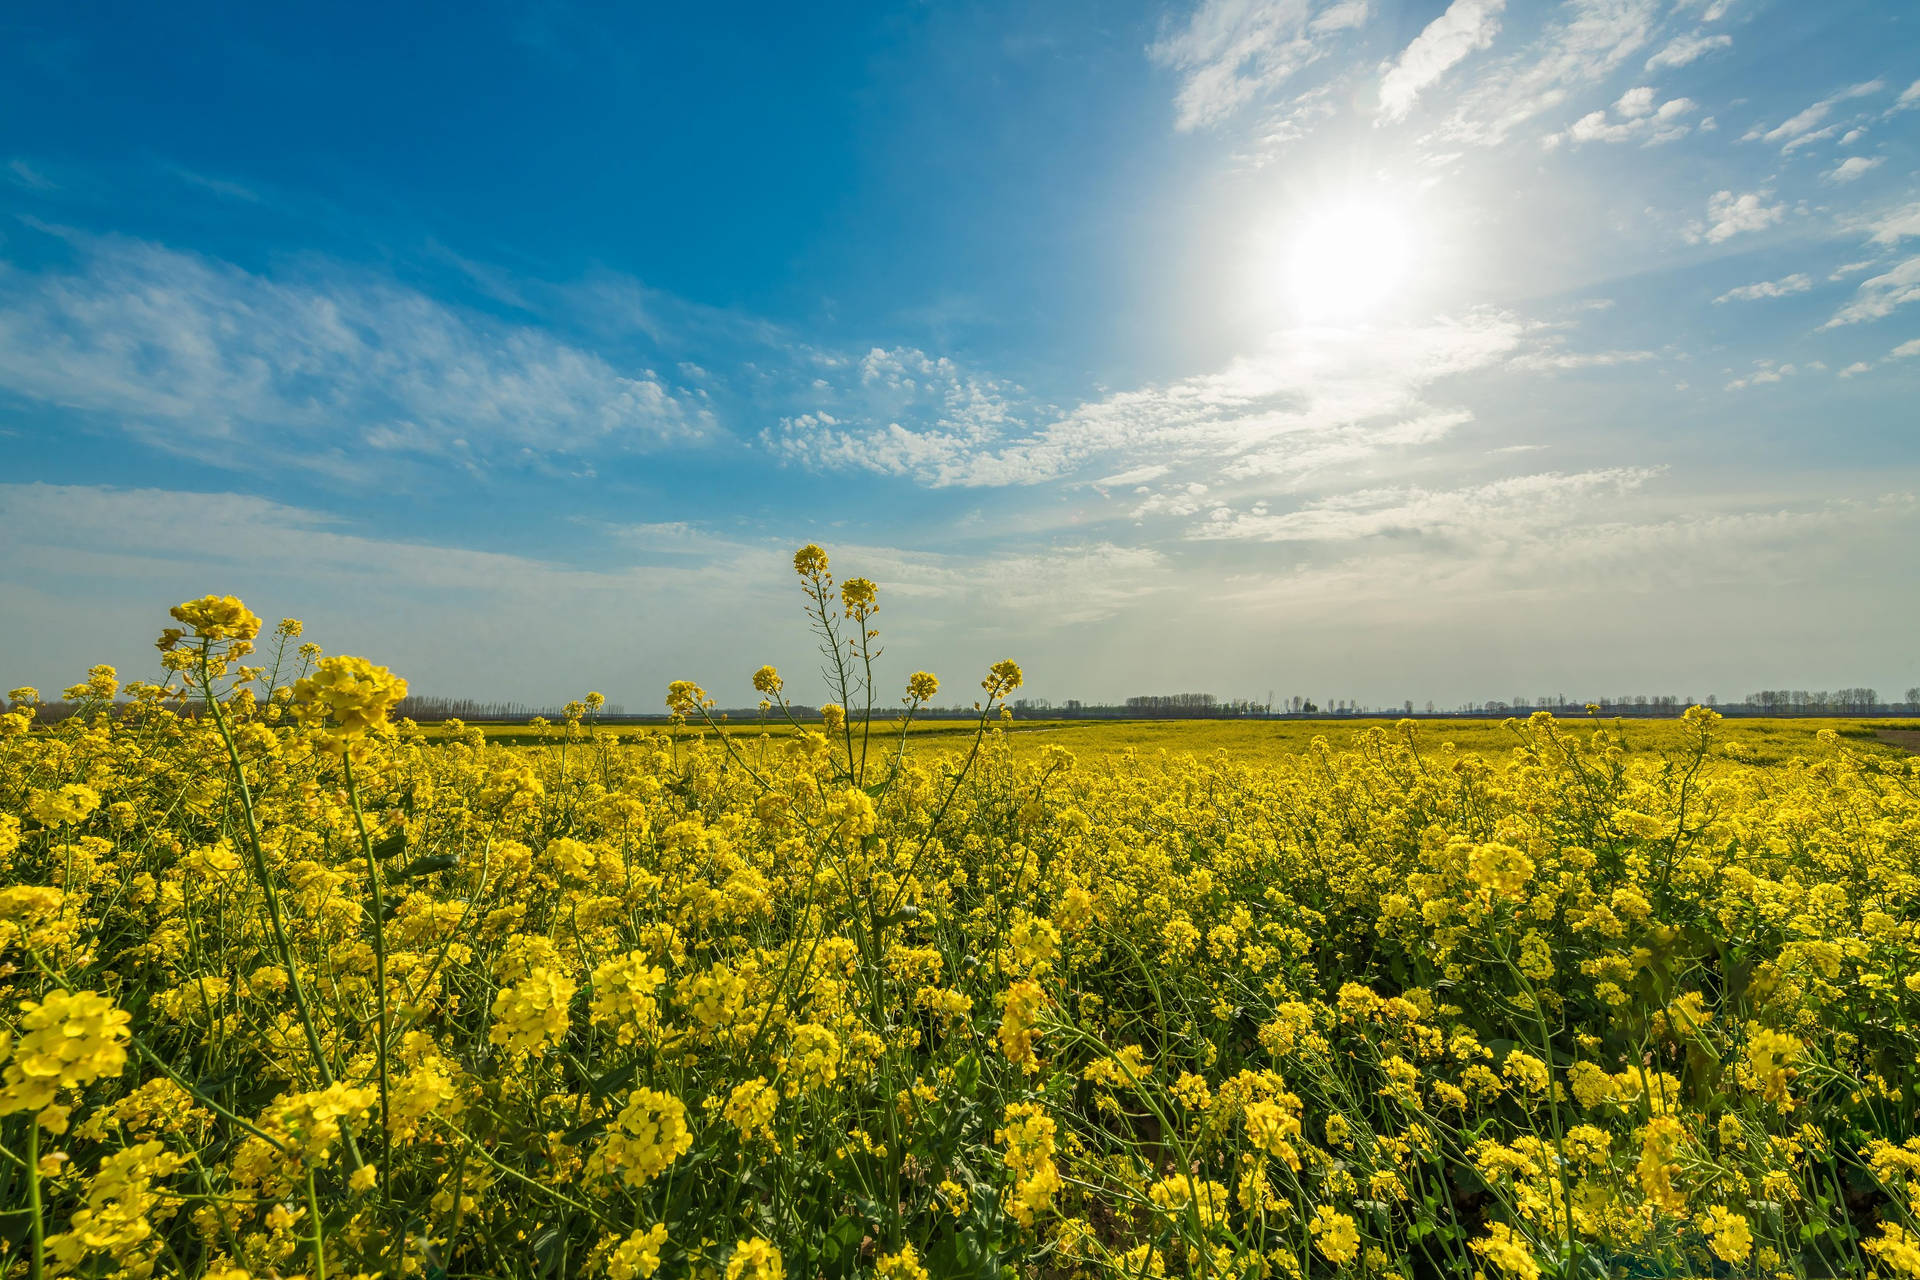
x,y
290,989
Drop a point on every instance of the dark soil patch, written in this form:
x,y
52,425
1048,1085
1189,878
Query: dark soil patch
x,y
1905,739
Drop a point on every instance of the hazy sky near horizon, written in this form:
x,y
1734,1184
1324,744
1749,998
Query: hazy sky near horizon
x,y
1346,348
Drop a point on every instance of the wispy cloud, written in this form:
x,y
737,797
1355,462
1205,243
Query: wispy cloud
x,y
1580,50
1457,516
1466,27
1896,225
319,369
1309,397
1803,128
23,174
223,187
1234,52
1781,288
1682,50
1880,296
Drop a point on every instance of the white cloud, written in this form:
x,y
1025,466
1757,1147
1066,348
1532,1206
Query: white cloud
x,y
1768,371
1461,516
1311,398
1580,50
1855,369
1781,288
25,175
312,370
1685,49
1546,539
1801,129
1854,166
122,556
1879,296
1729,215
1904,350
1635,118
1897,225
1909,98
1552,359
1465,27
1234,52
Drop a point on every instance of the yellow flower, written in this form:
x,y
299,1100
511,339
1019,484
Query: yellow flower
x,y
1657,1165
685,698
904,1265
1896,1249
1729,1237
1500,869
810,561
638,1256
1028,1136
1002,678
859,596
218,618
650,1134
1334,1236
750,1109
347,698
1024,1000
531,1014
72,803
767,680
922,685
755,1259
1508,1251
1771,1056
66,1041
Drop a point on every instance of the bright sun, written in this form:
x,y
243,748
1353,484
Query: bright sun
x,y
1348,259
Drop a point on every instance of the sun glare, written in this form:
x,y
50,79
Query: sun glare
x,y
1347,259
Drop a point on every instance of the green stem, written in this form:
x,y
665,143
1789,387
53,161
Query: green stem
x,y
38,1262
282,945
379,978
319,1233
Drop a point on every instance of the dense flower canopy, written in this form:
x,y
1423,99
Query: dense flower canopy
x,y
703,1001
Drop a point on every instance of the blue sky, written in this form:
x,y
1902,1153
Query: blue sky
x,y
1348,348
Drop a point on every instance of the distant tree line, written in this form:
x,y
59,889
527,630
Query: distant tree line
x,y
1206,706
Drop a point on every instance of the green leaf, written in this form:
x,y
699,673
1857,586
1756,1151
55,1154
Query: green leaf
x,y
428,865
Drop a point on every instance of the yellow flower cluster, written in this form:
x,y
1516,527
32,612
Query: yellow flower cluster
x,y
347,698
731,1002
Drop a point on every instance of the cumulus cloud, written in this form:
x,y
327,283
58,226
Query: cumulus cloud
x,y
1729,215
313,369
1634,118
1466,27
1769,371
1855,166
1781,288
